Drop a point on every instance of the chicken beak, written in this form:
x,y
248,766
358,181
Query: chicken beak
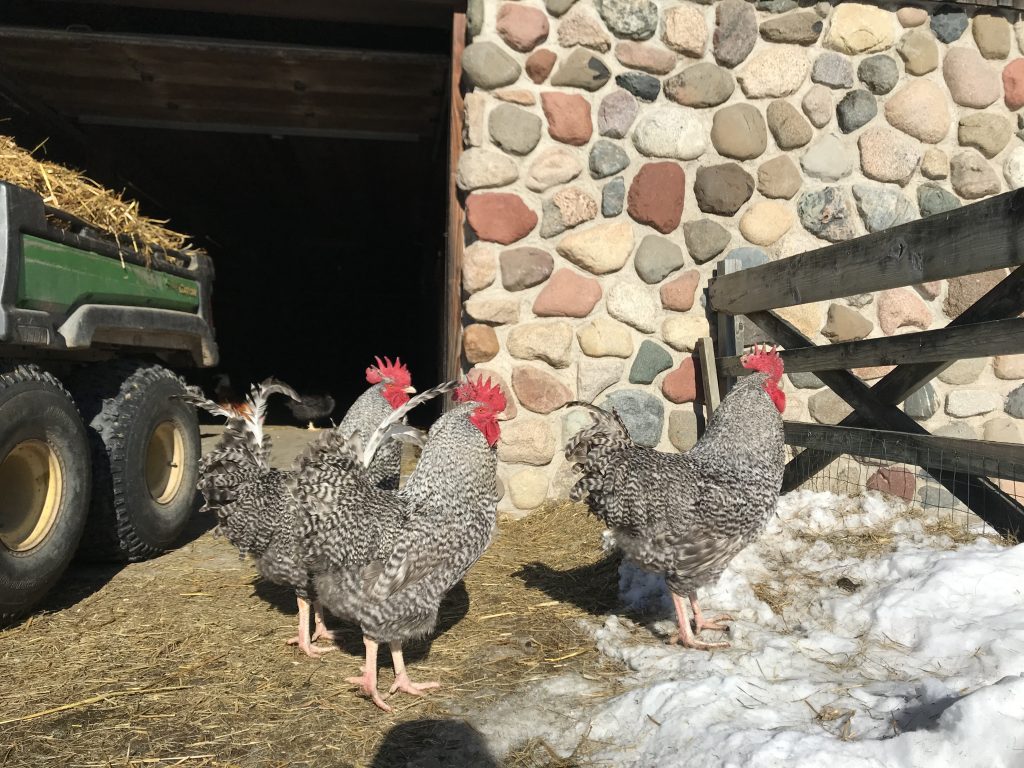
x,y
410,390
501,416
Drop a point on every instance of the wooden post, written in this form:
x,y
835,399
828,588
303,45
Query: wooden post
x,y
709,374
729,332
451,363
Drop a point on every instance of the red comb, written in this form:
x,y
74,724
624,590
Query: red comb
x,y
482,391
395,372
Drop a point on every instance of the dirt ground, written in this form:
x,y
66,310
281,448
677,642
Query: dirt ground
x,y
181,660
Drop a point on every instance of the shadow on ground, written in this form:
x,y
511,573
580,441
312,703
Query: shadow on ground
x,y
428,742
592,587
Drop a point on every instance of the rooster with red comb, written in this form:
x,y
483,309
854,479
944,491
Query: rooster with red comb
x,y
688,515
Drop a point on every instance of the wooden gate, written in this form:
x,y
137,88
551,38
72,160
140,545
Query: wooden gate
x,y
983,236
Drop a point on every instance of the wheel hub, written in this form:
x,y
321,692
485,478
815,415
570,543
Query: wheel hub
x,y
31,483
165,462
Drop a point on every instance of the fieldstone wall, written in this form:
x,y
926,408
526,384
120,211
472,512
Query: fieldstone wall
x,y
616,149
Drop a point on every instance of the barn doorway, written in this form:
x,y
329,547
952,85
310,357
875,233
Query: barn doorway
x,y
304,144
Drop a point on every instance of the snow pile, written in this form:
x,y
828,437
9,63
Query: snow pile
x,y
858,638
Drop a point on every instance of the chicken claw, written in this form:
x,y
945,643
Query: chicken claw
x,y
367,682
303,640
700,623
685,637
402,681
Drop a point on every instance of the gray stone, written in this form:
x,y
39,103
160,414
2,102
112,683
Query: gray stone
x,y
789,128
558,7
645,87
632,19
933,199
963,371
1015,403
551,223
919,52
482,168
879,73
986,132
616,114
748,256
641,412
738,131
776,6
722,189
735,32
948,23
805,381
612,197
701,85
779,178
705,239
485,65
958,429
581,69
682,430
475,17
859,300
828,214
524,267
882,207
606,159
656,258
670,131
799,27
817,105
923,404
595,376
826,407
932,495
1001,429
514,129
855,109
651,359
833,70
971,175
827,159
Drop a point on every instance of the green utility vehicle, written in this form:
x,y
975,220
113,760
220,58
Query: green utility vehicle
x,y
96,454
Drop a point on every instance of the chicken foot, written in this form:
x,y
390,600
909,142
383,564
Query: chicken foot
x,y
686,636
367,682
700,623
303,639
402,681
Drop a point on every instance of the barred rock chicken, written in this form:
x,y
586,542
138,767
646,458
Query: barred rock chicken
x,y
428,535
255,504
687,515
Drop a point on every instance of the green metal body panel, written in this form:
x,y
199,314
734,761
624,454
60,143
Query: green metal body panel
x,y
57,278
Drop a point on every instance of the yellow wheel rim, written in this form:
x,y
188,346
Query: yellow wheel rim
x,y
31,483
165,462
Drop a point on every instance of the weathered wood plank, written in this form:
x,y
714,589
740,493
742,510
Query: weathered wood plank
x,y
451,348
975,238
709,374
728,333
998,337
973,457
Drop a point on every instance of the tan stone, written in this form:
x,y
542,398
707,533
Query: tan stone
x,y
919,51
963,371
552,166
910,16
473,121
806,318
685,30
777,70
992,35
682,331
856,28
516,96
538,390
479,343
765,222
599,249
580,26
493,308
845,324
547,340
526,440
603,337
920,109
528,488
935,164
1008,366
479,267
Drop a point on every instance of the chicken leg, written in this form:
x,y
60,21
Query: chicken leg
x,y
367,682
402,681
320,630
303,639
686,636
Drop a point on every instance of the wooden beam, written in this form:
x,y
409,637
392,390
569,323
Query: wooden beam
x,y
709,374
946,454
978,237
452,337
998,337
728,330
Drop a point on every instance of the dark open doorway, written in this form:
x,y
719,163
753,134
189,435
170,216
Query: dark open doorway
x,y
308,155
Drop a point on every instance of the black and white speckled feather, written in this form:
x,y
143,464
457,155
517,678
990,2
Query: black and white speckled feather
x,y
686,515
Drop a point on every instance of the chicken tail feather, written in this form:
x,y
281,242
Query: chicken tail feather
x,y
589,449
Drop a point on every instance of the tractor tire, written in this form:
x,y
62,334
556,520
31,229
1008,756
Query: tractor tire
x,y
145,459
44,485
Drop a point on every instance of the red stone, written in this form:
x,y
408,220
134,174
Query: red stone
x,y
521,27
1013,84
678,294
568,117
567,294
656,196
540,64
538,390
895,482
475,373
682,384
500,217
479,343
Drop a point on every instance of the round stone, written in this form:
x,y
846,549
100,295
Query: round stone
x,y
599,249
828,214
1001,429
492,308
991,35
882,207
678,294
887,155
681,332
986,132
567,208
514,129
722,189
539,65
748,256
919,52
700,85
524,267
645,87
478,269
923,404
738,131
594,376
549,341
568,116
607,158
479,343
670,131
919,109
817,105
685,30
581,27
909,16
499,217
613,197
879,73
972,81
799,27
855,110
893,482
704,239
682,430
641,412
765,222
634,305
645,57
680,386
528,488
616,114
485,65
526,440
651,359
948,23
537,390
552,166
777,71
567,294
827,159
934,164
778,178
1013,168
656,196
962,292
971,175
1015,403
826,407
632,19
656,258
789,128
963,403
521,27
832,70
735,32
856,28
483,168
603,337
845,324
1013,84
581,69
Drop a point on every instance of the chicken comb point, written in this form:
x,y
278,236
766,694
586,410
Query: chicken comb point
x,y
395,372
484,391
